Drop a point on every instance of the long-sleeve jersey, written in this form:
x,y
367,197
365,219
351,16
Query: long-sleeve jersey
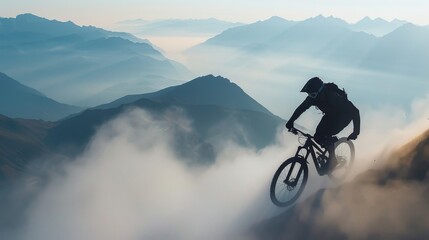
x,y
330,103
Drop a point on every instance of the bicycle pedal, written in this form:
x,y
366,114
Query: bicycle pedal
x,y
341,164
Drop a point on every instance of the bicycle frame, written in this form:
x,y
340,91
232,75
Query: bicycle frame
x,y
309,147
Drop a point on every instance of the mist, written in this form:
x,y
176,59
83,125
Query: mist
x,y
130,184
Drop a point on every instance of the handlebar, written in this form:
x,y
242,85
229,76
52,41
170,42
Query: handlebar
x,y
296,131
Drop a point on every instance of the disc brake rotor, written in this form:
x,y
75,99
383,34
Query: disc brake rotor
x,y
291,184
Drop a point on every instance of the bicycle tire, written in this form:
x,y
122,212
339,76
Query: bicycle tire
x,y
275,184
344,151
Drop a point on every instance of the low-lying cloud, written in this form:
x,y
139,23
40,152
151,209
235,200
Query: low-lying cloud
x,y
129,184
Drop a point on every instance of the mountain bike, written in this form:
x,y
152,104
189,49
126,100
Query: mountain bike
x,y
291,177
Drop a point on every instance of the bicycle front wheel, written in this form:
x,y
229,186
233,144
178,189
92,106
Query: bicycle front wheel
x,y
289,181
345,155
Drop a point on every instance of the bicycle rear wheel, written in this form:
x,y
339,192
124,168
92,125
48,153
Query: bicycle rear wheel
x,y
289,181
345,155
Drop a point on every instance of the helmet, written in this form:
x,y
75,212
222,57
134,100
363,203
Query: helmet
x,y
313,87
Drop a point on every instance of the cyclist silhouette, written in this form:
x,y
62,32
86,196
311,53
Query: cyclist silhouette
x,y
338,113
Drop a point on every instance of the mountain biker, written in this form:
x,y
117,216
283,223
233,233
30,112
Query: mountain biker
x,y
338,113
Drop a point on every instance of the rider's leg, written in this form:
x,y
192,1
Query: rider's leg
x,y
323,130
329,126
323,136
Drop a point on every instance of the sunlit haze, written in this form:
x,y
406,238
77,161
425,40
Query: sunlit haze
x,y
107,13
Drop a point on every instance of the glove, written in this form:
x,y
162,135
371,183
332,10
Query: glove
x,y
352,136
289,125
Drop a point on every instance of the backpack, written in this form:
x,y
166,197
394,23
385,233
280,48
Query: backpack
x,y
332,87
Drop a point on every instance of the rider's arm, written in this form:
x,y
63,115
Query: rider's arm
x,y
306,104
356,120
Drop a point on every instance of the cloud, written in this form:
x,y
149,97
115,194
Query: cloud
x,y
129,184
397,210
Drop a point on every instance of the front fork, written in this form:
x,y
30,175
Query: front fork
x,y
293,182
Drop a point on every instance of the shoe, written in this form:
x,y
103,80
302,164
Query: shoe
x,y
323,161
333,163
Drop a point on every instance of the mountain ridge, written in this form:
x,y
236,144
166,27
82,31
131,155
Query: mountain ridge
x,y
28,22
247,35
20,101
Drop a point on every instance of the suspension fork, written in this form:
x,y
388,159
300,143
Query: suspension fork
x,y
287,180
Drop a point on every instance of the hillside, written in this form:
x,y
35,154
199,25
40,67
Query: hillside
x,y
385,203
19,101
21,141
211,126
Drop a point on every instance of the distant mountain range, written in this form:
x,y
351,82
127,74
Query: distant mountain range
x,y
250,34
401,50
29,28
176,27
266,29
262,31
205,27
318,36
72,64
19,101
404,51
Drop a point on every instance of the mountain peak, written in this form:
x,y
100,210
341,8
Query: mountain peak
x,y
205,90
210,90
320,19
28,16
380,20
31,18
209,79
399,21
276,19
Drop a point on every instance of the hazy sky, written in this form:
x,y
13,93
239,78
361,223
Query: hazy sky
x,y
105,13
